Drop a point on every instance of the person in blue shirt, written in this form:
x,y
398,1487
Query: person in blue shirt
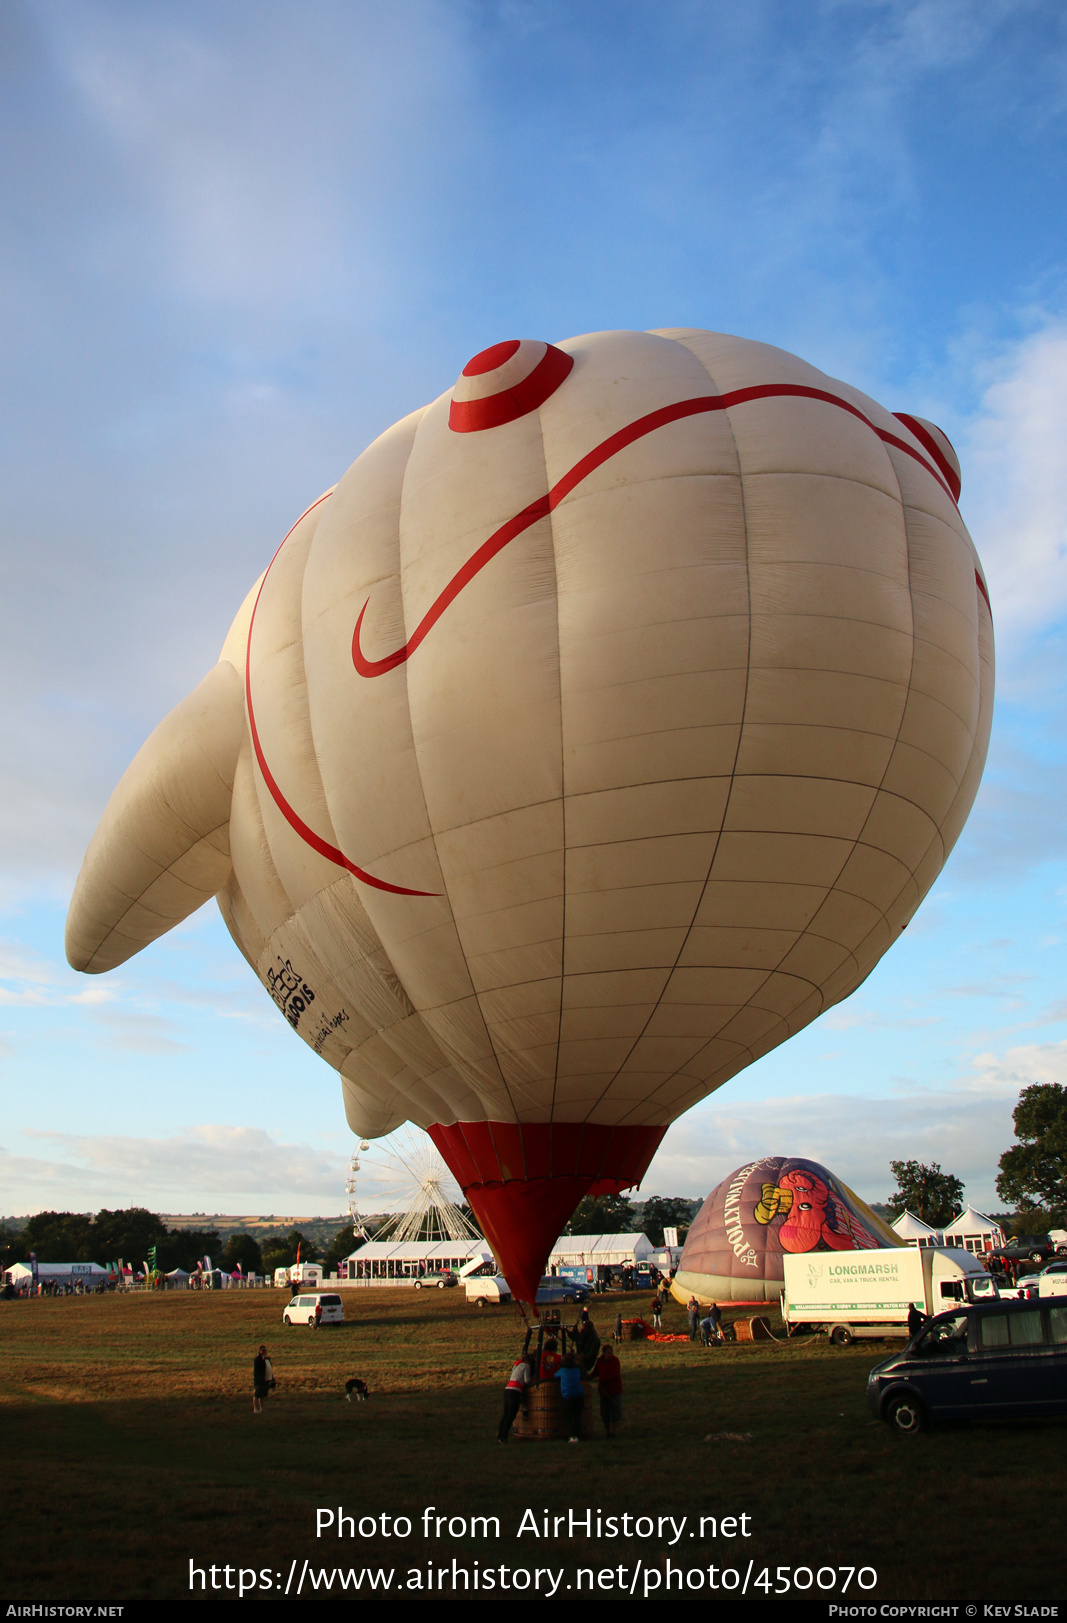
x,y
569,1376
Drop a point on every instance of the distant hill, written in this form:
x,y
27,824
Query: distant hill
x,y
319,1229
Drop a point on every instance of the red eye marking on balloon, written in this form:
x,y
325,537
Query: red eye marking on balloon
x,y
527,390
295,821
594,459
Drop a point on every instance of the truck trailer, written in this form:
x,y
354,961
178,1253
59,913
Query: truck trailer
x,y
868,1293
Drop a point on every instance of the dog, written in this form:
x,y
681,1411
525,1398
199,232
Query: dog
x,y
357,1389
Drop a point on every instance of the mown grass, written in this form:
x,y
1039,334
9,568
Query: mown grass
x,y
130,1446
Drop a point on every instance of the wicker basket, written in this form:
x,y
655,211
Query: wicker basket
x,y
758,1329
541,1418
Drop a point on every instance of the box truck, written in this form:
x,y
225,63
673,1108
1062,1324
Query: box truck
x,y
868,1293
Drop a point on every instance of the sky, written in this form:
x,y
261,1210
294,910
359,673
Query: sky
x,y
239,241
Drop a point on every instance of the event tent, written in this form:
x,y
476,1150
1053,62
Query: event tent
x,y
600,1250
914,1231
409,1259
63,1273
975,1231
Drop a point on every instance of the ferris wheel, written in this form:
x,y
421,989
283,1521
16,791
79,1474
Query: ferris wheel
x,y
403,1174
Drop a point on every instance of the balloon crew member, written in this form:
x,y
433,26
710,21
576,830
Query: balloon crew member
x,y
608,1372
569,1376
551,1359
518,1381
586,1341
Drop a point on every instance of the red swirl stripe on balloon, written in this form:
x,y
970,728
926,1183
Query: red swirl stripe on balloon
x,y
925,438
331,852
588,464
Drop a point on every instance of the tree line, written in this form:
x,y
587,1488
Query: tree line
x,y
1032,1176
133,1233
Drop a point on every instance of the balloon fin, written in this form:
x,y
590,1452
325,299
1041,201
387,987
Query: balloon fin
x,y
162,848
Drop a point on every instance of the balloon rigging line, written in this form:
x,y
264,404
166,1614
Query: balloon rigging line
x,y
516,526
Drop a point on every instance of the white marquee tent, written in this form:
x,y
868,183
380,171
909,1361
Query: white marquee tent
x,y
383,1260
974,1231
600,1250
914,1231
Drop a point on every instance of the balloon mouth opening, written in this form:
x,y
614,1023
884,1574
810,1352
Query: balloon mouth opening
x,y
524,1179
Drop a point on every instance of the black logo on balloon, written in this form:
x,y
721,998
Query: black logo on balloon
x,y
289,990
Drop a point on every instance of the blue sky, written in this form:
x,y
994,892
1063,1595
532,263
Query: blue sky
x,y
240,240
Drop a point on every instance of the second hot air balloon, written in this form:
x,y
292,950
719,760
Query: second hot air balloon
x,y
603,726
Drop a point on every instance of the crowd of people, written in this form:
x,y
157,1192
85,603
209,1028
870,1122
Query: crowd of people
x,y
51,1287
586,1358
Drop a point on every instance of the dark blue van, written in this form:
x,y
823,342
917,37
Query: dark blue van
x,y
993,1361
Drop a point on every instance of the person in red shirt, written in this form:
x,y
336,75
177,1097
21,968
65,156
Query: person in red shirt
x,y
551,1359
608,1372
519,1381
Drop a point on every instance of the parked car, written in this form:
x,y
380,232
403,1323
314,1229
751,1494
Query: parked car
x,y
441,1279
552,1291
997,1360
315,1308
1051,1280
1027,1248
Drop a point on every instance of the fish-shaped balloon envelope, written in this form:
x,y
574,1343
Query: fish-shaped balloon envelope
x,y
604,725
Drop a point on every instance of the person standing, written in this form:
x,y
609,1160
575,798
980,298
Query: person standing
x,y
586,1341
608,1372
692,1312
262,1380
569,1376
518,1381
657,1311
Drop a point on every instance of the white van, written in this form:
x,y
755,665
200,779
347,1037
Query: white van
x,y
315,1308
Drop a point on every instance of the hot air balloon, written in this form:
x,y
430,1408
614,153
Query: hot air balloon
x,y
604,725
772,1206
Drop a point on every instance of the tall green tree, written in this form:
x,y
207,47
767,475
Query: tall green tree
x,y
59,1237
1033,1173
129,1234
243,1249
661,1212
933,1195
184,1248
280,1250
341,1246
607,1214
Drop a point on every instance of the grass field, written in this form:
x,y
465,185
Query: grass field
x,y
131,1448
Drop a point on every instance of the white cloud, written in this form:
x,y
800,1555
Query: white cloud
x,y
207,1167
966,1131
1014,457
966,1127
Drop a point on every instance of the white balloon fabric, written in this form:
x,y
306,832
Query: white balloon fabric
x,y
603,726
